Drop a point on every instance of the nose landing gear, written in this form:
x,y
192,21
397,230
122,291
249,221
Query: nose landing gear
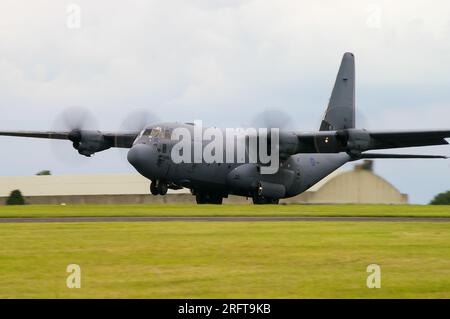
x,y
158,187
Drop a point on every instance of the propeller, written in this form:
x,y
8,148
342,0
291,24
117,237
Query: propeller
x,y
73,119
273,118
137,120
277,119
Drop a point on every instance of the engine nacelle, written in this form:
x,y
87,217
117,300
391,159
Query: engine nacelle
x,y
88,142
358,140
289,144
246,178
271,190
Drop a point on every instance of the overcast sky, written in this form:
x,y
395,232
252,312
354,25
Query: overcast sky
x,y
222,62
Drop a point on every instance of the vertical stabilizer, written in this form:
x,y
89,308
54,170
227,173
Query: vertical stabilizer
x,y
340,113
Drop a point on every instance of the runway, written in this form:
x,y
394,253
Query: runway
x,y
220,219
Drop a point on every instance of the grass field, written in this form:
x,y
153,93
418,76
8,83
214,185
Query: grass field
x,y
225,210
196,260
225,259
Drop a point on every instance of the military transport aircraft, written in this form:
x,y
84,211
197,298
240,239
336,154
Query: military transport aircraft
x,y
303,158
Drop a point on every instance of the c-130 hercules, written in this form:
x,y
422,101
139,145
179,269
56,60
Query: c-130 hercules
x,y
304,157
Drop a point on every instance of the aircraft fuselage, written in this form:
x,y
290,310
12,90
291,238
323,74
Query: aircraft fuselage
x,y
151,156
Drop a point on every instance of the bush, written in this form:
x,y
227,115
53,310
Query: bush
x,y
15,198
44,173
441,199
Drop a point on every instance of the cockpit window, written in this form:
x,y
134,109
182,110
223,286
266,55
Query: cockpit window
x,y
158,132
147,132
167,133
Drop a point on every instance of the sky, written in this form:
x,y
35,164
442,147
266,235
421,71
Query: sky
x,y
222,62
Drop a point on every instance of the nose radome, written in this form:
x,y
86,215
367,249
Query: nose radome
x,y
139,154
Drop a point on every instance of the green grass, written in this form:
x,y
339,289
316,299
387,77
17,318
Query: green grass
x,y
225,259
225,210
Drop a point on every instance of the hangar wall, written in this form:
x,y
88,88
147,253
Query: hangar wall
x,y
185,198
352,187
358,186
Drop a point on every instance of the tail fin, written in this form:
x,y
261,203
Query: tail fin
x,y
340,113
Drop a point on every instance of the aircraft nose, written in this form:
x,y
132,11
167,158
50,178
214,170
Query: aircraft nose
x,y
139,154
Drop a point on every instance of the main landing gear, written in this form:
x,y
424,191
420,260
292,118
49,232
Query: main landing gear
x,y
158,188
204,198
261,200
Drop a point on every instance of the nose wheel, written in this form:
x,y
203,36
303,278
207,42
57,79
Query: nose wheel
x,y
158,188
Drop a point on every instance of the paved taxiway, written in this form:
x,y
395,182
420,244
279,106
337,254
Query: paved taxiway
x,y
221,219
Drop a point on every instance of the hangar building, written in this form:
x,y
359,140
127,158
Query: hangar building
x,y
357,186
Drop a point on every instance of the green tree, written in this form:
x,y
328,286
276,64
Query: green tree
x,y
441,199
43,173
15,198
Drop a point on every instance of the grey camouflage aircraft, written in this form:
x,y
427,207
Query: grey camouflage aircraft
x,y
304,157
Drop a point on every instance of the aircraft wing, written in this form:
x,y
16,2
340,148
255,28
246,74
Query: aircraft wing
x,y
378,156
356,141
37,134
87,142
119,139
397,139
